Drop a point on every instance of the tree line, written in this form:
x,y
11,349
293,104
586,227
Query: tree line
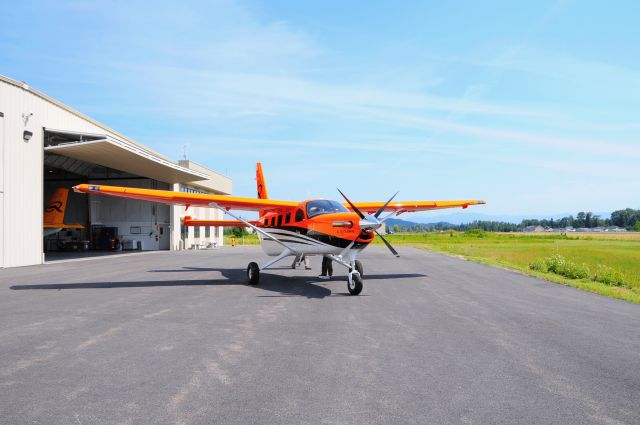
x,y
627,218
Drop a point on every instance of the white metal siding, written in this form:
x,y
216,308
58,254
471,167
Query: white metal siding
x,y
1,190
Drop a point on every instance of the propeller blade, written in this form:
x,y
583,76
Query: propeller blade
x,y
353,207
393,251
377,214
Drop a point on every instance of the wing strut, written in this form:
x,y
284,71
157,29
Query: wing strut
x,y
256,228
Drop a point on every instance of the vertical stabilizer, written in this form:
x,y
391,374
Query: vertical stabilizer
x,y
54,211
261,184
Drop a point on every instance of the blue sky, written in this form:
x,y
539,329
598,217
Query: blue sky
x,y
533,106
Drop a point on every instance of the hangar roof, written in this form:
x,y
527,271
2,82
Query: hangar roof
x,y
120,155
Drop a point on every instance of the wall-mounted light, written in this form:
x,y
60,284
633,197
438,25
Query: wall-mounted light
x,y
26,135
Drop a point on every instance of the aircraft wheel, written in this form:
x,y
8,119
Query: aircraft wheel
x,y
359,267
253,273
354,284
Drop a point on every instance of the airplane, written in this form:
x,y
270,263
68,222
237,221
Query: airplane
x,y
53,219
338,231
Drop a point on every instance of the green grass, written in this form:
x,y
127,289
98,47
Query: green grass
x,y
246,240
614,261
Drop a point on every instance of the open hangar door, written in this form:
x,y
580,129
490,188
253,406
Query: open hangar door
x,y
108,224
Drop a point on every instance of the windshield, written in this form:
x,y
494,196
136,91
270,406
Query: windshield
x,y
324,206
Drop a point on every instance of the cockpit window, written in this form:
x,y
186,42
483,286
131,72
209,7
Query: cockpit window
x,y
323,206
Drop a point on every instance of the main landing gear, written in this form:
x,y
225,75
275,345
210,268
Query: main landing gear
x,y
359,268
253,273
354,278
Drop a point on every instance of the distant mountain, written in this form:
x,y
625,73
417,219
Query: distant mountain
x,y
405,223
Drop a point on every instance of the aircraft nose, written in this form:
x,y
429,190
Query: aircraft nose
x,y
369,225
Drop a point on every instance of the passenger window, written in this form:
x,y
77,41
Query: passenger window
x,y
288,219
299,215
280,220
273,221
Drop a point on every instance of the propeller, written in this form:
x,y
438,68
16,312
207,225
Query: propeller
x,y
393,251
377,214
371,222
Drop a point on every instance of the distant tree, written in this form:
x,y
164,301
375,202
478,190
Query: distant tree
x,y
625,218
636,227
580,220
587,219
238,232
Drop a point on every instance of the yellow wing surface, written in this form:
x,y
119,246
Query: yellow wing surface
x,y
187,199
413,206
255,204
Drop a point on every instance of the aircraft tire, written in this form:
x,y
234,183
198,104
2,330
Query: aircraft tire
x,y
253,273
355,284
359,267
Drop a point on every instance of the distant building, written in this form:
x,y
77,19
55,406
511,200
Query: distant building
x,y
614,229
533,229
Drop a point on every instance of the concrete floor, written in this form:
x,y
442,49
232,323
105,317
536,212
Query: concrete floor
x,y
167,338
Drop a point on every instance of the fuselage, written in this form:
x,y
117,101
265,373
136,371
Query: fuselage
x,y
315,227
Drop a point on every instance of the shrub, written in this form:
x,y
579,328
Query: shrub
x,y
575,271
608,276
476,233
561,266
539,265
555,263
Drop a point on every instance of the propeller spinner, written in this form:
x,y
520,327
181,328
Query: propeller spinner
x,y
371,222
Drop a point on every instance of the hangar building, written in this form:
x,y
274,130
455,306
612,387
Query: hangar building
x,y
46,145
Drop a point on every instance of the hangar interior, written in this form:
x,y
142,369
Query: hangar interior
x,y
109,223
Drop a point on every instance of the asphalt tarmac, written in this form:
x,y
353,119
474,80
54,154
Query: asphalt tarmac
x,y
167,338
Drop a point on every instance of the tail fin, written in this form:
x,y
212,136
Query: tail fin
x,y
262,185
54,212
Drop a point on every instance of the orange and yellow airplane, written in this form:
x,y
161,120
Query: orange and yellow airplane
x,y
339,231
53,219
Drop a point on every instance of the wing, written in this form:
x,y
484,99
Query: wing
x,y
413,206
187,199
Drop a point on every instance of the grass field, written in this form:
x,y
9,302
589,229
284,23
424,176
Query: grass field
x,y
617,254
247,240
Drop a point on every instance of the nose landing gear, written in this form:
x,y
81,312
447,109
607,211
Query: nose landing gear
x,y
354,282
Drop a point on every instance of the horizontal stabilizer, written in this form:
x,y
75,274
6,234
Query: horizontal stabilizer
x,y
188,221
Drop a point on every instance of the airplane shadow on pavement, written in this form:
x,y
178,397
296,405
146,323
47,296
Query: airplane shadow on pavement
x,y
282,285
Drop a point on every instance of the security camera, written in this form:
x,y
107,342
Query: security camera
x,y
26,116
